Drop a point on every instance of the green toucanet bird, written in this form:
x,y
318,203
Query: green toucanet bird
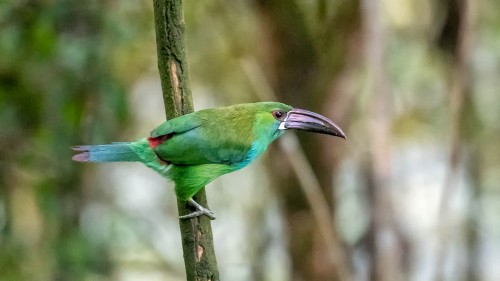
x,y
194,149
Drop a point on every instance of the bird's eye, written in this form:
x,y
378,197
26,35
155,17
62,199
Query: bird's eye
x,y
278,114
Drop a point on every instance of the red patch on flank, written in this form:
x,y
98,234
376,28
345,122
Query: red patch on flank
x,y
154,142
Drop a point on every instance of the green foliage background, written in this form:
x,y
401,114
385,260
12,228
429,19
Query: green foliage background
x,y
67,73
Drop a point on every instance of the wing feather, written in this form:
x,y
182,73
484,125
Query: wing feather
x,y
209,138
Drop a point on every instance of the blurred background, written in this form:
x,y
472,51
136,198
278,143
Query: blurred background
x,y
413,194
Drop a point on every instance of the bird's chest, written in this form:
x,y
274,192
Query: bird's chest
x,y
255,150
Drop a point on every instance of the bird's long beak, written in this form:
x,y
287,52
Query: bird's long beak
x,y
301,119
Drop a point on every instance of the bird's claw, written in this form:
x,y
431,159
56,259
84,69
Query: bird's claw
x,y
200,211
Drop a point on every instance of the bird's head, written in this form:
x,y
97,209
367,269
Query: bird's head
x,y
279,117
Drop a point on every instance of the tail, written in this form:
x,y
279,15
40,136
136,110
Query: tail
x,y
115,152
139,151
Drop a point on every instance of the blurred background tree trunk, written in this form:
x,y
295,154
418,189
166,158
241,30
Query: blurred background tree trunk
x,y
307,70
384,240
455,40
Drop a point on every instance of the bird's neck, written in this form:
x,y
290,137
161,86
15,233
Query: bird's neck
x,y
262,140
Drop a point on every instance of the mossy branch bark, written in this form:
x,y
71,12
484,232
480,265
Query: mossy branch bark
x,y
196,233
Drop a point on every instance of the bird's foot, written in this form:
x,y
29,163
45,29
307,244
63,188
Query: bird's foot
x,y
195,214
200,211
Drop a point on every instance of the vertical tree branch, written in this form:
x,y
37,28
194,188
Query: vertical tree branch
x,y
196,233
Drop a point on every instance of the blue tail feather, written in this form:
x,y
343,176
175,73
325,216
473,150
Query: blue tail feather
x,y
115,152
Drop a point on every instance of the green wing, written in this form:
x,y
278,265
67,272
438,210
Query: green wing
x,y
204,137
177,125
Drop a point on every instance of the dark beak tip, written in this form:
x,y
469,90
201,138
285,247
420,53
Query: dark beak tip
x,y
340,135
313,122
